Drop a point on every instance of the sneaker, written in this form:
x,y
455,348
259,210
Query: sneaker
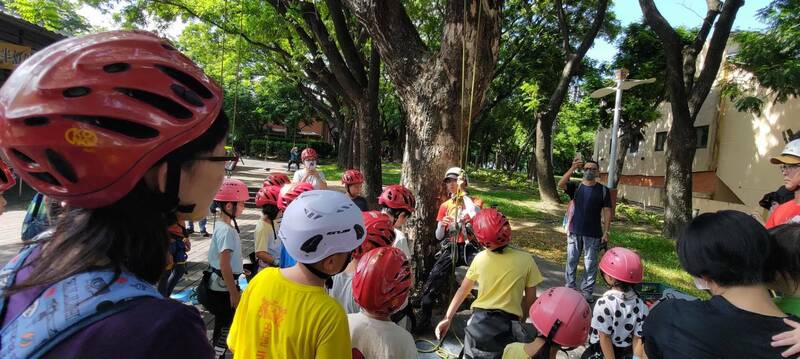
x,y
190,231
205,234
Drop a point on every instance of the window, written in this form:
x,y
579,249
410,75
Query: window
x,y
702,136
634,147
661,139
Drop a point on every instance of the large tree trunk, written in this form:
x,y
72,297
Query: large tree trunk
x,y
371,133
429,86
624,145
543,152
687,94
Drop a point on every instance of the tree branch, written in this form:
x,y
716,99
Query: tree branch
x,y
588,38
660,26
563,26
713,59
705,29
351,54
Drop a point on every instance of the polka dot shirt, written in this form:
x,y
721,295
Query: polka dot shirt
x,y
619,315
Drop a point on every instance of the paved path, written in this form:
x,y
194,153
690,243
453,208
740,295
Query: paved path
x,y
253,173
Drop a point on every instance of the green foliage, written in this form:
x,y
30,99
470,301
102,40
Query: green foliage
x,y
575,132
390,172
54,15
639,216
281,148
772,57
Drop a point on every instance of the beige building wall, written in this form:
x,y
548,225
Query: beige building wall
x,y
738,151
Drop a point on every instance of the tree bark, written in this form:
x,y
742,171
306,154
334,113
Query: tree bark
x,y
371,133
624,146
547,117
687,95
429,85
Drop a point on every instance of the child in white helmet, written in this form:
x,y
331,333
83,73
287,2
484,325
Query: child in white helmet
x,y
286,313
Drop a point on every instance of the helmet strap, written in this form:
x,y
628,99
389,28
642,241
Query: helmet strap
x,y
173,187
500,249
325,276
233,216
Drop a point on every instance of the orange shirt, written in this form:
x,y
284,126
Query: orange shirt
x,y
788,212
448,208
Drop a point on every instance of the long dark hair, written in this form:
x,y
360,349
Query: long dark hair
x,y
130,234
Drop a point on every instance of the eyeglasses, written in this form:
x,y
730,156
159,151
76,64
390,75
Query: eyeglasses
x,y
785,168
216,158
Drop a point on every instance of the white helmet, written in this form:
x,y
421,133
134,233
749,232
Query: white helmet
x,y
790,154
319,224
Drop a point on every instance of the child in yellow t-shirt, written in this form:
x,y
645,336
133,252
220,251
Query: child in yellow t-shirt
x,y
286,313
267,245
504,273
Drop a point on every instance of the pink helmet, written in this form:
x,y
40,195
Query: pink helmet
x,y
380,232
268,195
6,178
382,280
232,190
276,179
352,177
622,264
563,316
285,199
398,197
308,154
83,119
491,228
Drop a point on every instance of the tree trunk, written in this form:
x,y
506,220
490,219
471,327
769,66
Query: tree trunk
x,y
371,133
399,143
429,85
356,145
543,154
624,145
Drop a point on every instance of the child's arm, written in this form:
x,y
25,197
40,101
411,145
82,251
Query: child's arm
x,y
606,345
527,301
187,244
790,339
227,276
638,347
458,298
266,257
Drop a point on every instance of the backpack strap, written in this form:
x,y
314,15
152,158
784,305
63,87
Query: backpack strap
x,y
9,273
67,307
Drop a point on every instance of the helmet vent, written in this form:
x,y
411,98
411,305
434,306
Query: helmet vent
x,y
46,177
23,157
187,81
116,67
61,165
168,46
162,103
3,178
36,121
187,95
78,91
124,127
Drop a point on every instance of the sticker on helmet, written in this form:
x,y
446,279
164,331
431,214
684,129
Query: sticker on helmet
x,y
80,137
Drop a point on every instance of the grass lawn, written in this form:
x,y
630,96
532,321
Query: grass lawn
x,y
537,226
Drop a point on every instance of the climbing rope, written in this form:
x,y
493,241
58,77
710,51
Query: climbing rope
x,y
437,348
238,72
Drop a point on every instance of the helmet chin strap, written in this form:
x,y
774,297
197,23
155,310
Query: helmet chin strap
x,y
173,189
233,216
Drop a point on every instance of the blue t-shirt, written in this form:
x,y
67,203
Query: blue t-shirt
x,y
589,204
225,238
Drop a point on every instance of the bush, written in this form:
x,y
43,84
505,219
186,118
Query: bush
x,y
281,148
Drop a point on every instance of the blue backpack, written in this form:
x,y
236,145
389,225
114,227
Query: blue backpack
x,y
64,308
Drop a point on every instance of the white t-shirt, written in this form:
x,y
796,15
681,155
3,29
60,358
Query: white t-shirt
x,y
300,174
342,291
380,339
224,238
620,315
401,243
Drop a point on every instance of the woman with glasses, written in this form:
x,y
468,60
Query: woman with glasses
x,y
789,162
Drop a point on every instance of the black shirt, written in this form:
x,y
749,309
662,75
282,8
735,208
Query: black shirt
x,y
715,328
361,203
589,203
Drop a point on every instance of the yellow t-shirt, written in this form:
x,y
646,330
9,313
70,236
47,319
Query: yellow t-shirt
x,y
515,351
503,278
278,318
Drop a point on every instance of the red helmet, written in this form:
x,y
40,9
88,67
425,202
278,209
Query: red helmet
x,y
308,154
83,119
352,177
276,179
562,315
380,232
382,281
285,199
622,264
397,197
6,177
268,195
232,190
491,228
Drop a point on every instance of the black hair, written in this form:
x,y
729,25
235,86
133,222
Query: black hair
x,y
395,212
729,247
622,286
85,237
592,161
270,211
787,256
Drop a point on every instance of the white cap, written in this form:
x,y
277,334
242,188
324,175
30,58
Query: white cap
x,y
319,224
790,154
453,172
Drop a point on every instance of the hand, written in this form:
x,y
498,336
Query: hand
x,y
235,296
442,328
790,339
604,239
577,163
447,220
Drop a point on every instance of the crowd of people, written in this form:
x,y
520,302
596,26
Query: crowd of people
x,y
134,146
